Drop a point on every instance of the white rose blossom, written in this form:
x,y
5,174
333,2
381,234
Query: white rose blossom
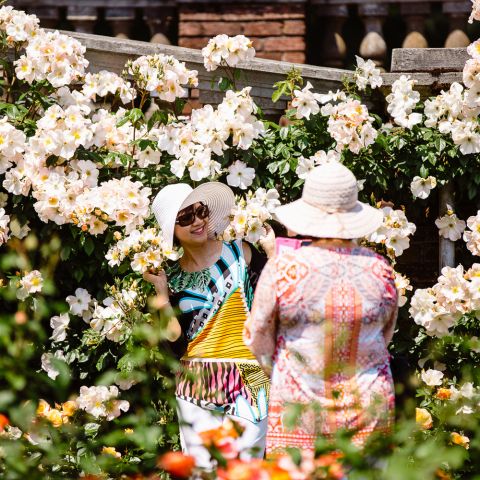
x,y
161,75
194,142
366,74
421,187
350,124
59,324
240,175
432,377
81,304
305,102
4,226
402,101
472,235
54,57
450,226
47,364
456,293
223,49
305,165
101,402
31,282
475,14
403,285
395,231
250,214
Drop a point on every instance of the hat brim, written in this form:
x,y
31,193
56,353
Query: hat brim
x,y
220,200
305,219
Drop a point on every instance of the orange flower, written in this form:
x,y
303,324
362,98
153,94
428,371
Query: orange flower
x,y
54,416
275,472
443,394
177,464
255,469
69,408
3,422
215,436
459,439
111,451
423,418
222,439
241,470
43,408
330,465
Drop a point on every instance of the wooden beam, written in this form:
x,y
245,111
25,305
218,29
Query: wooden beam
x,y
432,60
108,53
93,3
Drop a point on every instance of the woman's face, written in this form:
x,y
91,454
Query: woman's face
x,y
195,233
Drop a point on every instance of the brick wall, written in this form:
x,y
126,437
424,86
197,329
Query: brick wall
x,y
277,31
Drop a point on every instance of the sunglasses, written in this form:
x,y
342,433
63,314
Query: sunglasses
x,y
187,216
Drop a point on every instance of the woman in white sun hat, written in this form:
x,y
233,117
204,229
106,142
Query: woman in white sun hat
x,y
323,316
212,286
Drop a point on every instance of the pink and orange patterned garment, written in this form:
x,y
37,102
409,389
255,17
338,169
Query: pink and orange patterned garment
x,y
323,317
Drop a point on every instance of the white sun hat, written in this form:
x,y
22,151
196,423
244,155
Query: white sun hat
x,y
173,198
329,207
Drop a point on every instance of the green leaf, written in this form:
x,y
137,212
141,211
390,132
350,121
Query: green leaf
x,y
423,171
65,252
224,84
89,246
91,429
99,364
440,144
284,133
273,167
285,169
135,115
77,274
158,116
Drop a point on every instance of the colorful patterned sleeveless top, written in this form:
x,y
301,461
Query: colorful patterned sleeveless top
x,y
219,371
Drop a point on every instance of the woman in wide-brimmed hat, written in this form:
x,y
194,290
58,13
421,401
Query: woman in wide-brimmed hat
x,y
323,316
212,286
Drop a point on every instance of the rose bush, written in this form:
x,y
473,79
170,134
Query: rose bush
x,y
85,370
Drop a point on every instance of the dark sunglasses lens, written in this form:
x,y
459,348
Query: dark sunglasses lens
x,y
186,219
202,212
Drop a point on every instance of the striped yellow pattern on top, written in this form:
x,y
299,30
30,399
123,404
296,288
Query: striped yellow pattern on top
x,y
222,337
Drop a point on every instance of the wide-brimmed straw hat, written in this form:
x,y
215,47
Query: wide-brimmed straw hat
x,y
329,207
173,198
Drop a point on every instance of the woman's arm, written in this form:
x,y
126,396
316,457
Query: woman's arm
x,y
267,243
260,331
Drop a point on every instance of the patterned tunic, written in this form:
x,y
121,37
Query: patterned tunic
x,y
325,315
219,371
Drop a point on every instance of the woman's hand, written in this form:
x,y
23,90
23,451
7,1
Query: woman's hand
x,y
159,281
267,242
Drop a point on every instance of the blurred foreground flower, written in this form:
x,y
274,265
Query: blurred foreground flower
x,y
222,439
177,464
111,451
255,469
3,422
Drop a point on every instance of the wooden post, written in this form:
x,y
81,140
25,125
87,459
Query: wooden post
x,y
446,247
